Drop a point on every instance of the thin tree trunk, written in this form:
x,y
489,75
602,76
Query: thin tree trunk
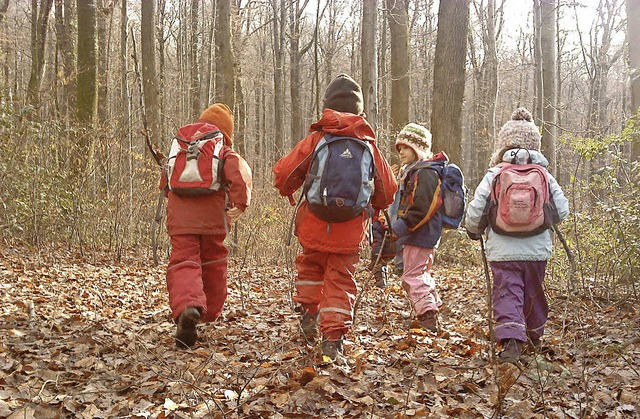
x,y
87,49
549,86
194,88
399,29
149,76
40,20
370,60
633,36
224,55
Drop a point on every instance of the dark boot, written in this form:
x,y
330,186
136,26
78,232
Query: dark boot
x,y
309,325
429,321
187,334
511,350
332,348
381,277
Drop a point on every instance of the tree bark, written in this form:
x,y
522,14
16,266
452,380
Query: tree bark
x,y
633,36
194,88
399,29
370,61
86,79
40,20
224,55
549,80
449,77
64,38
278,74
149,76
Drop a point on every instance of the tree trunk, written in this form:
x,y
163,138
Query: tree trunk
x,y
194,88
224,55
40,20
370,61
149,77
278,74
86,80
399,29
549,85
64,39
104,44
633,36
296,54
449,77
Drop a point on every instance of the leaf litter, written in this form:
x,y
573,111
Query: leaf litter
x,y
88,337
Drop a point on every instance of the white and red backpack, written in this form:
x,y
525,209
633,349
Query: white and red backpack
x,y
520,203
194,166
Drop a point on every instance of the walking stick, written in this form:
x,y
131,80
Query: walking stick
x,y
489,298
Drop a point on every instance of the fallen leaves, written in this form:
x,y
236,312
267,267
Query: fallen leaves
x,y
89,338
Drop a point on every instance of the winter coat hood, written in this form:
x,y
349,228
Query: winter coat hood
x,y
344,123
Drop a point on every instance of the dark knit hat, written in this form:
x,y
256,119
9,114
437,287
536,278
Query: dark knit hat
x,y
418,138
221,116
519,132
344,94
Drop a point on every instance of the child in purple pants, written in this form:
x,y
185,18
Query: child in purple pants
x,y
518,263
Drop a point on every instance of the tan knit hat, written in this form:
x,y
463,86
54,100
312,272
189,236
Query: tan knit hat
x,y
519,132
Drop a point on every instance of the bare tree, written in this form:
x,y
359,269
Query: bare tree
x,y
486,83
548,77
194,87
449,77
149,75
87,49
296,53
224,53
399,29
278,73
370,60
39,22
633,37
65,46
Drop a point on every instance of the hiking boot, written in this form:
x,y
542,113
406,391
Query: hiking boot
x,y
381,277
511,350
187,334
309,325
429,321
332,348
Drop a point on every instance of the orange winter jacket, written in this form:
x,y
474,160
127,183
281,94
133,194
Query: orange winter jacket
x,y
290,172
206,214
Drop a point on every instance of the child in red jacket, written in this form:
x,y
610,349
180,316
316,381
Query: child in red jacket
x,y
198,226
325,284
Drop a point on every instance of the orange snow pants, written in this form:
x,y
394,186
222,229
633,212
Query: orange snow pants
x,y
197,274
326,283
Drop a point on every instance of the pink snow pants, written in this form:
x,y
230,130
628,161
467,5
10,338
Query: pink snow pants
x,y
417,281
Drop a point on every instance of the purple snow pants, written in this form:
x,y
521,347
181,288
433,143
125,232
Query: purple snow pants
x,y
520,306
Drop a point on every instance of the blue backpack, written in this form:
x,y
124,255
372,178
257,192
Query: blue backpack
x,y
339,185
453,192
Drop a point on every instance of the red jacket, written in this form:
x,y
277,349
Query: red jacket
x,y
206,214
290,172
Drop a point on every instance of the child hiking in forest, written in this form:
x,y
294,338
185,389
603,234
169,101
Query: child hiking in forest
x,y
418,226
344,175
516,204
208,186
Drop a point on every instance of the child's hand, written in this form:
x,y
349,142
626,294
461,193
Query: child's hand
x,y
395,169
234,213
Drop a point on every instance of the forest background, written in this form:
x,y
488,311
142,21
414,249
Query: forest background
x,y
88,86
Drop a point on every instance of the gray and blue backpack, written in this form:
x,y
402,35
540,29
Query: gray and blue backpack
x,y
339,185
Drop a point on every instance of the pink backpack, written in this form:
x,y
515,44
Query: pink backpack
x,y
520,200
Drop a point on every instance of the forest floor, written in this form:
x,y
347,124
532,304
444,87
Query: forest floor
x,y
89,337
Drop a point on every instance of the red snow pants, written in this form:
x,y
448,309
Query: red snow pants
x,y
197,274
326,283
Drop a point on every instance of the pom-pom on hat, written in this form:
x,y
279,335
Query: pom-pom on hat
x,y
221,116
418,138
519,132
344,94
